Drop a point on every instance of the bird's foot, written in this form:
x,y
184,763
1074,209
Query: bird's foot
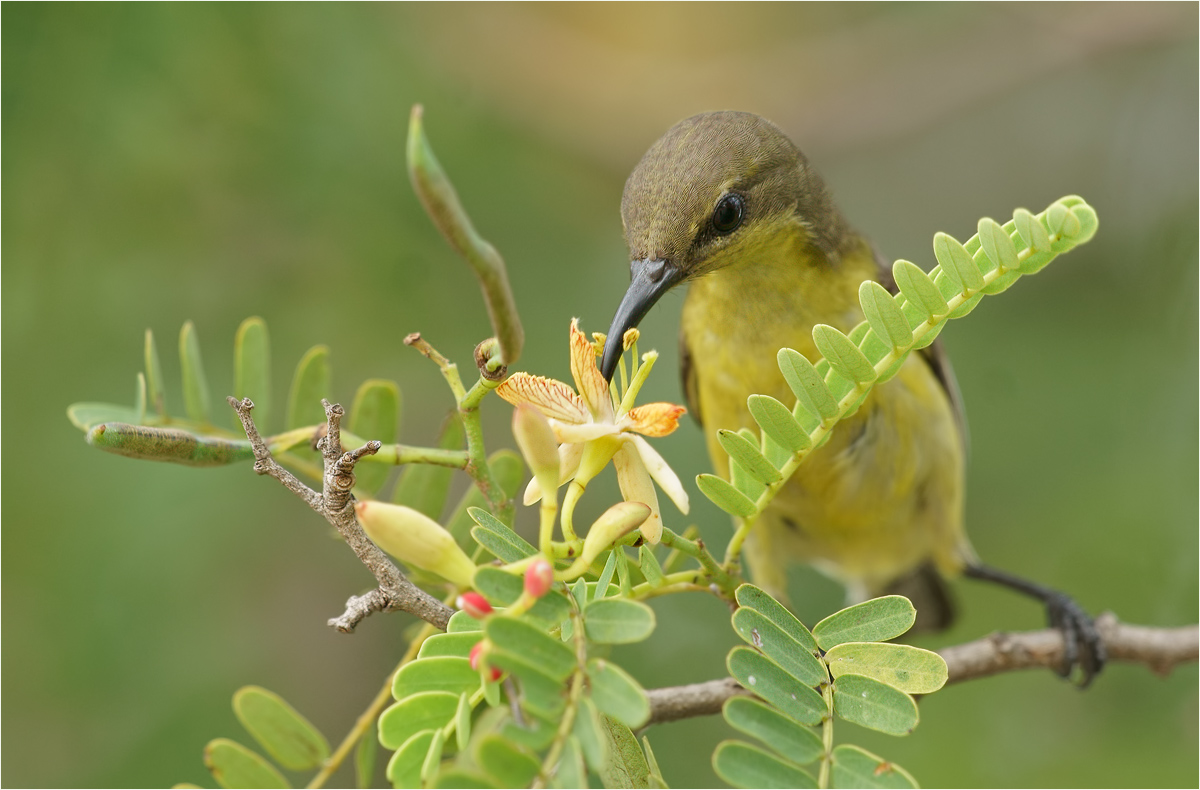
x,y
1082,646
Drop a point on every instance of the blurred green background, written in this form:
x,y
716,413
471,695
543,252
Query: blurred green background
x,y
174,162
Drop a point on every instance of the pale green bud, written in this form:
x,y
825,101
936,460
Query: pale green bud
x,y
415,539
535,437
615,523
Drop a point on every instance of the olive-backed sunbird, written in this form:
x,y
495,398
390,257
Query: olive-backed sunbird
x,y
726,203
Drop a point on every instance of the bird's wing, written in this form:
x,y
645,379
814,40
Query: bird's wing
x,y
934,355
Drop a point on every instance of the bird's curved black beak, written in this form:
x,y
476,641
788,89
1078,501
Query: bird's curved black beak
x,y
649,280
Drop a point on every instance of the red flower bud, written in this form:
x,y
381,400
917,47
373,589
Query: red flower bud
x,y
538,577
476,658
475,605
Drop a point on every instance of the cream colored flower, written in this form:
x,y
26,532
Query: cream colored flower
x,y
593,427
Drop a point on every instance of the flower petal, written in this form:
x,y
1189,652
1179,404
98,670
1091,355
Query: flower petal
x,y
591,385
663,474
636,486
568,432
552,398
568,465
655,419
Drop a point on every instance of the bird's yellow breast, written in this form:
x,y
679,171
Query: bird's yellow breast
x,y
885,493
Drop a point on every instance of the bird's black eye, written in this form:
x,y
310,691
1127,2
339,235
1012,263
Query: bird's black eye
x,y
727,216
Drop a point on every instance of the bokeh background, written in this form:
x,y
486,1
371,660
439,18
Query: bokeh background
x,y
205,162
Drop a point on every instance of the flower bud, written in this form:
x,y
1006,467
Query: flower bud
x,y
614,524
474,605
538,577
535,437
478,654
415,539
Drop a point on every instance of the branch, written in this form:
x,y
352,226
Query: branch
x,y
335,505
1160,649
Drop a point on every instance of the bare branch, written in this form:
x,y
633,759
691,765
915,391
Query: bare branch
x,y
1160,649
336,505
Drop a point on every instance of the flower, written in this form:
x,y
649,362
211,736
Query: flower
x,y
593,427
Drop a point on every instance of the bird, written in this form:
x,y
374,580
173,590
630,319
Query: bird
x,y
726,204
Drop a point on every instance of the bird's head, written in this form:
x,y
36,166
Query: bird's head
x,y
716,189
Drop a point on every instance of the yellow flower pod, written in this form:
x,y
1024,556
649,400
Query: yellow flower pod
x,y
615,523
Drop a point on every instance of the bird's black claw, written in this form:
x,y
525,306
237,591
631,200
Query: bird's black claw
x,y
1082,645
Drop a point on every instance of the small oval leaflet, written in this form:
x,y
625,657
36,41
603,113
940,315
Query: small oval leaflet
x,y
743,765
764,678
233,765
617,694
428,710
909,669
286,735
617,621
872,704
855,767
876,620
794,741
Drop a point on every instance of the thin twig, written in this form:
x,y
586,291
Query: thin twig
x,y
1160,649
336,505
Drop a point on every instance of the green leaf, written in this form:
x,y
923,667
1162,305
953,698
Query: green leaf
x,y
252,368
375,415
725,496
748,456
590,732
495,536
794,658
807,384
884,315
154,377
855,767
743,765
627,766
909,669
876,620
617,621
957,264
872,704
429,710
794,741
617,694
404,769
287,736
761,676
776,421
656,777
503,588
462,722
139,402
745,482
602,584
997,244
86,416
650,567
509,764
233,765
433,757
755,598
461,622
459,778
532,644
364,760
509,470
450,644
541,694
844,357
443,673
570,771
195,383
310,384
424,487
623,575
